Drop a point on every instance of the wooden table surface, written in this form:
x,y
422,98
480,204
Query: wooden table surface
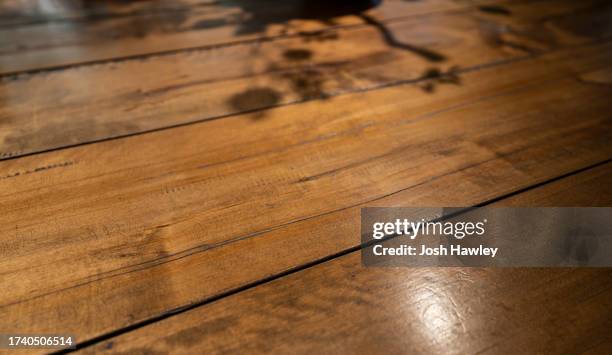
x,y
187,176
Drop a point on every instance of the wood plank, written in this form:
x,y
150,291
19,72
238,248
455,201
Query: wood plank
x,y
28,12
592,188
89,104
61,44
417,311
147,229
406,310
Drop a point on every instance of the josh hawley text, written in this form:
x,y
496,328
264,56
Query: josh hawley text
x,y
441,250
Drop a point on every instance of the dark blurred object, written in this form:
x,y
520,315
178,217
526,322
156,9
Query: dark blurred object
x,y
284,11
335,8
326,11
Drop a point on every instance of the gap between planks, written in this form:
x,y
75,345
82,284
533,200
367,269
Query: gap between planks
x,y
175,312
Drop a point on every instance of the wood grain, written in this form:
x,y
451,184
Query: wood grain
x,y
342,306
592,188
141,226
15,13
90,103
66,43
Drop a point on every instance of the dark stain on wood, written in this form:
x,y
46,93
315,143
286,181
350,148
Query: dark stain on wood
x,y
254,99
496,10
595,22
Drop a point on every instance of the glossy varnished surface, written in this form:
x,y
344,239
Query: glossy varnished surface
x,y
190,164
341,306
